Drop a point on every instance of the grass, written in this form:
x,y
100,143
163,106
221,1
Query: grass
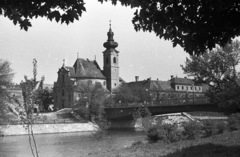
x,y
222,145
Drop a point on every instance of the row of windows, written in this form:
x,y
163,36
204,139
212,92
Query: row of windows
x,y
114,60
188,88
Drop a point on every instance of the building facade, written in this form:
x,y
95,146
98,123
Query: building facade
x,y
185,85
84,71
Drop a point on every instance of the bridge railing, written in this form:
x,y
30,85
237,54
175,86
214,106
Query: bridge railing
x,y
166,102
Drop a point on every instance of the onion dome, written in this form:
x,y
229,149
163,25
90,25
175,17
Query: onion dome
x,y
110,42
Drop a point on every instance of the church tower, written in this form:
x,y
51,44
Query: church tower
x,y
111,62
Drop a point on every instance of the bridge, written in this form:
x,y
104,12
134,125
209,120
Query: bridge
x,y
124,111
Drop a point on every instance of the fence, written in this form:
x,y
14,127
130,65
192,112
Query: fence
x,y
166,102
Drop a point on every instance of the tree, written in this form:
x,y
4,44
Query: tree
x,y
217,69
21,11
194,25
25,111
44,98
6,75
124,94
93,97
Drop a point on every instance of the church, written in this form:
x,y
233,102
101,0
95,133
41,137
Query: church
x,y
84,70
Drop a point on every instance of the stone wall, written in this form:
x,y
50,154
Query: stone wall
x,y
47,128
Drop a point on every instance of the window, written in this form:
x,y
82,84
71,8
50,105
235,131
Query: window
x,y
182,87
191,88
114,60
177,87
115,84
195,88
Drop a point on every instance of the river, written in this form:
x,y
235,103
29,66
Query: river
x,y
68,144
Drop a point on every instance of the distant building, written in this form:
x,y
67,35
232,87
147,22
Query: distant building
x,y
83,71
185,84
164,89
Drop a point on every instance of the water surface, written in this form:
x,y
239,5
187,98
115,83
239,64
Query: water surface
x,y
67,144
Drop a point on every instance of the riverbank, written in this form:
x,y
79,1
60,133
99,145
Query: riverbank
x,y
226,144
19,129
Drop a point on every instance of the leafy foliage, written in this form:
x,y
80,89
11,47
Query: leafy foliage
x,y
165,132
192,130
94,101
141,112
6,75
25,111
194,25
234,122
217,69
21,11
124,94
210,128
44,98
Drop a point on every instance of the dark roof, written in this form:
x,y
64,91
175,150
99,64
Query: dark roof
x,y
85,69
183,81
152,85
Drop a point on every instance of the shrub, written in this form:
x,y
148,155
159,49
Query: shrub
x,y
234,122
222,126
153,134
165,132
210,127
83,112
192,130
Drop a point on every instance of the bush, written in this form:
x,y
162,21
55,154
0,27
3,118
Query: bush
x,y
83,112
192,130
165,132
234,122
222,126
153,134
210,128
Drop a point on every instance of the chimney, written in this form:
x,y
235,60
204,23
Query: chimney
x,y
137,78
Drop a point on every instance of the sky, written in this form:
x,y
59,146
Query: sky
x,y
141,54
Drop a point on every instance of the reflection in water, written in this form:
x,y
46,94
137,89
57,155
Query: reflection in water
x,y
67,144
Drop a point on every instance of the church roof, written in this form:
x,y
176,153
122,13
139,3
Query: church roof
x,y
85,69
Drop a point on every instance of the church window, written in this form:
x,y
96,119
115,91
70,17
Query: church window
x,y
114,60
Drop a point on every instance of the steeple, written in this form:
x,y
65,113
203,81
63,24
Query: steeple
x,y
111,61
110,42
